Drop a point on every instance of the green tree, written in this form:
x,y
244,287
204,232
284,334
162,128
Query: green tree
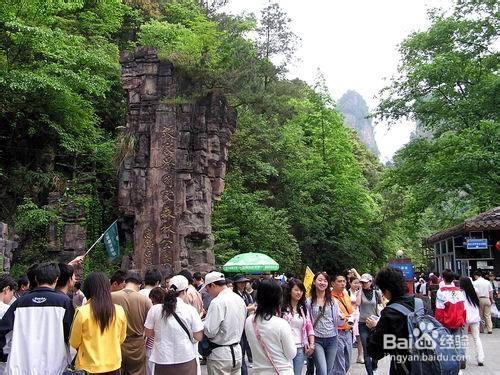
x,y
56,63
276,42
448,81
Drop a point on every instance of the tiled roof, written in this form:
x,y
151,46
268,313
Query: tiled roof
x,y
489,220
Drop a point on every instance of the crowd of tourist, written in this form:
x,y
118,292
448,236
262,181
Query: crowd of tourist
x,y
129,324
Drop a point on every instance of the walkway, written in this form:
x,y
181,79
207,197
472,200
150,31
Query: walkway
x,y
491,344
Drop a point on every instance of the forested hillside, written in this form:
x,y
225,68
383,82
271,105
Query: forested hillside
x,y
300,186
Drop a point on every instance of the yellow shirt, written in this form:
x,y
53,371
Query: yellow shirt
x,y
98,351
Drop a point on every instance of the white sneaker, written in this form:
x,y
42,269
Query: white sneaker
x,y
375,372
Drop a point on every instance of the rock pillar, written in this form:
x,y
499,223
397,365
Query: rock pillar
x,y
173,167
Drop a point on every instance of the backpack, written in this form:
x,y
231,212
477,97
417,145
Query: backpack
x,y
431,345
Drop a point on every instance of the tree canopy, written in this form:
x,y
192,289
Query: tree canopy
x,y
300,186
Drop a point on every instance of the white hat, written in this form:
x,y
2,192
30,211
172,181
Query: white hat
x,y
178,283
366,278
212,277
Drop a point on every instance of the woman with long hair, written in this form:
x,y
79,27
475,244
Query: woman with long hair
x,y
176,327
269,336
295,312
355,285
99,328
473,318
325,315
367,300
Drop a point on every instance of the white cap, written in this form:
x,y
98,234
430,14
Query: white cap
x,y
212,277
366,277
178,283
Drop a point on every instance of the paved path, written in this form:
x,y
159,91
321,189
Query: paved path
x,y
491,345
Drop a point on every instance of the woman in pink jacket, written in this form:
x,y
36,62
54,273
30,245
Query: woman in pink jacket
x,y
296,314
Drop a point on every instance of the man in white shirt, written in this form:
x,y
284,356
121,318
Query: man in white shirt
x,y
484,291
152,279
224,324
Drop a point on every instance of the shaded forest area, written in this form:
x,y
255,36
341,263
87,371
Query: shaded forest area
x,y
300,187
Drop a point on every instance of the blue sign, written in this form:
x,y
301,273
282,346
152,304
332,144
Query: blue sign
x,y
406,269
477,243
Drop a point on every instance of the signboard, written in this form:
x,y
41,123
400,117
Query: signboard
x,y
406,269
473,244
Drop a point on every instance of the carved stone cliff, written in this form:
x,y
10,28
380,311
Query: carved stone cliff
x,y
176,167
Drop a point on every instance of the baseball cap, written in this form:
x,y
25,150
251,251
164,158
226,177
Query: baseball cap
x,y
178,283
212,277
366,277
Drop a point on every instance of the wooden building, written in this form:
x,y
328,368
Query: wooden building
x,y
470,245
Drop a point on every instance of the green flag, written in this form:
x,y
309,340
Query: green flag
x,y
111,241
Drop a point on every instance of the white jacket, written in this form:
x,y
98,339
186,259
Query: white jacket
x,y
472,312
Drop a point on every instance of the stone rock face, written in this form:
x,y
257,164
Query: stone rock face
x,y
67,237
7,247
168,183
354,108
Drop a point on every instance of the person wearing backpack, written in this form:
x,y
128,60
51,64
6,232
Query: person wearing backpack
x,y
391,323
450,310
406,332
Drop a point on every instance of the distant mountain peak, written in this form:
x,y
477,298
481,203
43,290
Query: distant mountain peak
x,y
355,110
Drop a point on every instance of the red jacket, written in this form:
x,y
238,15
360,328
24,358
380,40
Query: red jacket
x,y
450,307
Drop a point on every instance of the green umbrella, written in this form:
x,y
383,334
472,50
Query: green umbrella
x,y
250,262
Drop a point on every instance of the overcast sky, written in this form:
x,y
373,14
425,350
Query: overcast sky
x,y
354,43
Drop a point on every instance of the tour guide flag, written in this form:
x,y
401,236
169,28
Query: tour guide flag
x,y
308,280
110,241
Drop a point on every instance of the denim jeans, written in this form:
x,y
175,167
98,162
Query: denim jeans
x,y
344,351
298,361
370,364
324,354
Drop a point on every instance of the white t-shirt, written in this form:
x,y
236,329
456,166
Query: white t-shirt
x,y
278,337
172,344
296,325
483,287
472,312
145,291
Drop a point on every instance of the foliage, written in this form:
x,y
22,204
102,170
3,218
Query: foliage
x,y
448,81
276,42
32,224
244,223
57,64
300,186
299,159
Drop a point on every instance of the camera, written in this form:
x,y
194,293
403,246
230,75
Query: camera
x,y
350,321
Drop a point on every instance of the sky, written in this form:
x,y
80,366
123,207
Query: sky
x,y
354,43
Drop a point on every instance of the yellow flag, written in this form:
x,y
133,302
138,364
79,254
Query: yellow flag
x,y
308,279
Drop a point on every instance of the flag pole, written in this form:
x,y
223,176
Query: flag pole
x,y
93,245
